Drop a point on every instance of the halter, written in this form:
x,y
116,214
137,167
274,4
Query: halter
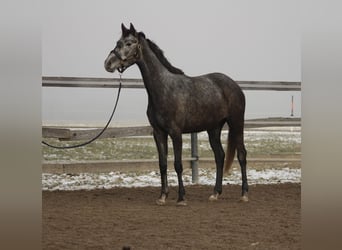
x,y
122,68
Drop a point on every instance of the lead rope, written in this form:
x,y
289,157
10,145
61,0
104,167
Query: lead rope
x,y
97,136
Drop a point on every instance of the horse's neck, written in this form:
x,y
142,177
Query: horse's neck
x,y
153,71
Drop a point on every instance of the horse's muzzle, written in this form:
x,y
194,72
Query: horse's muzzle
x,y
108,67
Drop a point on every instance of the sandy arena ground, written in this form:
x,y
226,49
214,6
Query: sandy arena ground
x,y
118,217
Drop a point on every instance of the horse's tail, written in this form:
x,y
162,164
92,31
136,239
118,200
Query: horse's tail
x,y
231,148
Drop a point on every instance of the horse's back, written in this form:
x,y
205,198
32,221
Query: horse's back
x,y
233,93
223,82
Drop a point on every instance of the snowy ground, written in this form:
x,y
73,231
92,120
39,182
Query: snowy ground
x,y
87,181
277,140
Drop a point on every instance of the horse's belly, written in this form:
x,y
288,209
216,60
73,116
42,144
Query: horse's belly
x,y
203,122
188,119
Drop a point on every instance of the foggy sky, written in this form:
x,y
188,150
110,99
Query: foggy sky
x,y
247,40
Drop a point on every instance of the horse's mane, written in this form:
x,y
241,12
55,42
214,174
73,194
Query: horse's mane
x,y
160,55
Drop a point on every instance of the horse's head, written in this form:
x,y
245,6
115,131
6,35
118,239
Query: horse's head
x,y
126,52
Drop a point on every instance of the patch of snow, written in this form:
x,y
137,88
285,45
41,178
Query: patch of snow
x,y
88,181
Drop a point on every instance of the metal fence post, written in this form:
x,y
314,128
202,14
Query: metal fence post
x,y
194,154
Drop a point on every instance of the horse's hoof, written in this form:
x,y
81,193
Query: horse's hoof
x,y
162,200
244,198
213,197
182,203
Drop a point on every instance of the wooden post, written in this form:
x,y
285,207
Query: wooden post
x,y
194,154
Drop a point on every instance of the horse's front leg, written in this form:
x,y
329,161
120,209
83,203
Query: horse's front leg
x,y
177,148
160,138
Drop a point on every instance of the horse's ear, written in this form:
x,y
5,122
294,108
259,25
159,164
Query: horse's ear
x,y
132,29
124,29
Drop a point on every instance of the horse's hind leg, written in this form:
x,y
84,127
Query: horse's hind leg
x,y
242,155
160,138
236,134
216,145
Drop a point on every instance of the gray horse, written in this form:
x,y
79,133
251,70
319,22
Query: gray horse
x,y
180,104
